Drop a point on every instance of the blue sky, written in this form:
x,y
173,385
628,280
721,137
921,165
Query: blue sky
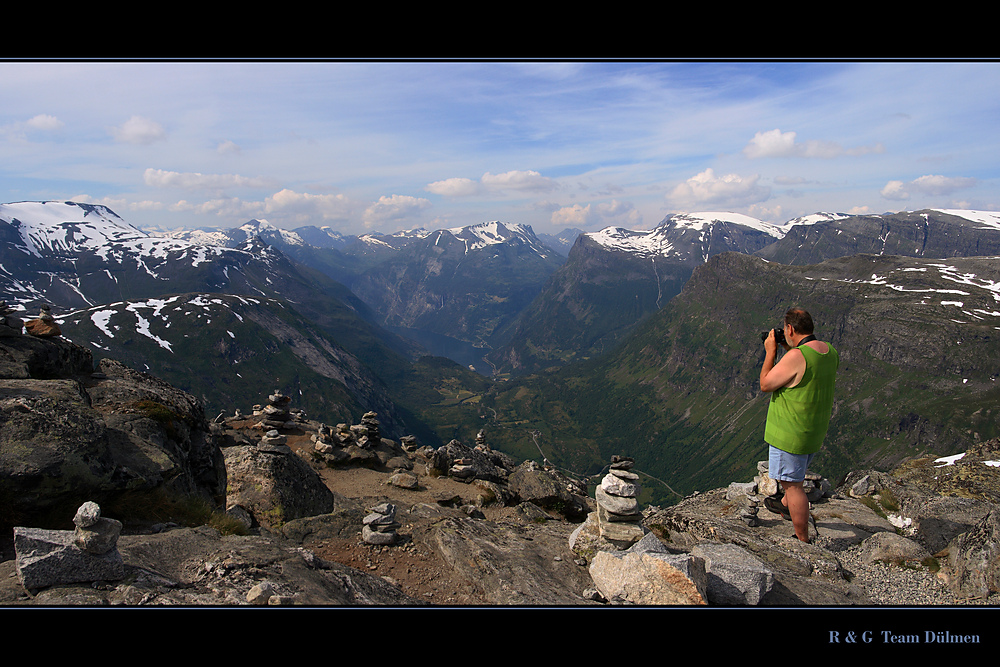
x,y
385,146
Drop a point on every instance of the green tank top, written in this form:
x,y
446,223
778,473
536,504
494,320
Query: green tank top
x,y
798,417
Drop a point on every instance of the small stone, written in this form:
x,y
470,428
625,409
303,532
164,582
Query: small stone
x,y
87,515
260,594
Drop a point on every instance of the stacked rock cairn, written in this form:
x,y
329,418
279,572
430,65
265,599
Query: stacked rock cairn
x,y
753,493
93,533
275,417
618,512
365,435
380,525
44,326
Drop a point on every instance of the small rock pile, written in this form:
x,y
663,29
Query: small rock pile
x,y
369,433
274,415
380,525
87,553
753,493
462,469
44,326
274,443
618,514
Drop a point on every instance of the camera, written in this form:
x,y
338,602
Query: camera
x,y
779,336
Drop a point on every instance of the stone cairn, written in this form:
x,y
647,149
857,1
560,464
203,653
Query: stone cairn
x,y
380,525
87,553
753,493
328,440
274,415
618,512
274,442
44,326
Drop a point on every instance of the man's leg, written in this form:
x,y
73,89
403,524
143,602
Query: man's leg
x,y
798,507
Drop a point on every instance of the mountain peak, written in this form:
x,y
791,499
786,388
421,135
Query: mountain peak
x,y
53,226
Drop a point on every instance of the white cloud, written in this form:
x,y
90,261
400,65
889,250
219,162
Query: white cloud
x,y
895,190
225,147
455,187
602,213
775,143
304,207
521,181
195,181
44,122
942,185
230,207
932,185
729,190
138,130
396,207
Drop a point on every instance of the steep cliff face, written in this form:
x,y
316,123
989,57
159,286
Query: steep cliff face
x,y
612,280
466,284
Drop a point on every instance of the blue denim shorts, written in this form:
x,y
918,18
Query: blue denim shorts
x,y
787,467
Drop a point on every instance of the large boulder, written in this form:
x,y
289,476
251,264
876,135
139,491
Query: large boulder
x,y
648,574
550,490
274,486
974,559
68,434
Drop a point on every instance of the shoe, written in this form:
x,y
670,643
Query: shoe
x,y
773,503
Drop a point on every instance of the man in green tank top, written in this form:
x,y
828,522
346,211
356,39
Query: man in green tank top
x,y
798,416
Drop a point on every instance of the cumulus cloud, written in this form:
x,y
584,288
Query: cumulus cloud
x,y
520,181
229,207
18,131
775,143
303,207
602,214
138,130
195,181
396,207
44,122
455,187
931,185
731,190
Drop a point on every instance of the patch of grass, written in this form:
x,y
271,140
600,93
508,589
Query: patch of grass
x,y
888,500
873,505
162,506
931,563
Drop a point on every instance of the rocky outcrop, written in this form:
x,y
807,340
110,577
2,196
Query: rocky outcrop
x,y
201,567
70,434
273,485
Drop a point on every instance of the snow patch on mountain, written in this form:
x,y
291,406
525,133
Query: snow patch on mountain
x,y
54,228
814,219
664,239
986,218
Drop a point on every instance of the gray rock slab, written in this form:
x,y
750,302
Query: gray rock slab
x,y
49,557
735,576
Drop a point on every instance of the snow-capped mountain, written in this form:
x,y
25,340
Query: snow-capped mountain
x,y
72,255
234,238
690,236
457,286
926,233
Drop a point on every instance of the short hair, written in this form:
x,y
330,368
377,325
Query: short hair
x,y
800,321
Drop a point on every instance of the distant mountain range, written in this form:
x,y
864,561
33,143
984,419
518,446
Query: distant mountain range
x,y
633,342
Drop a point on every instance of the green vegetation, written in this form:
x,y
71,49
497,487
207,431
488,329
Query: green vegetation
x,y
162,506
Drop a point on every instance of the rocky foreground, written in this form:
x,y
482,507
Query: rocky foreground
x,y
336,515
